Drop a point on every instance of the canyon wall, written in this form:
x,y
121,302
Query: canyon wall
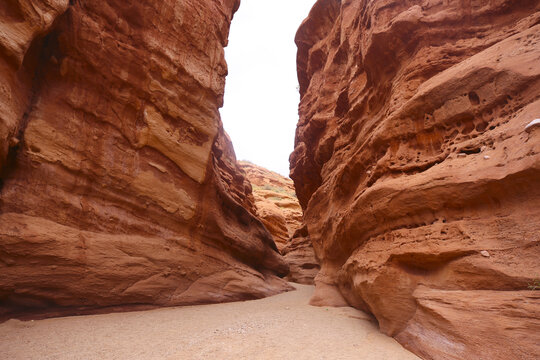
x,y
118,184
300,256
276,202
278,208
417,164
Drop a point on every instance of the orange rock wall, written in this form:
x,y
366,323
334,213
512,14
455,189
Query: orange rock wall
x,y
118,184
416,172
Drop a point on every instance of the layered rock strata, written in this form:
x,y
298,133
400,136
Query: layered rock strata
x,y
118,184
417,163
275,200
300,256
279,210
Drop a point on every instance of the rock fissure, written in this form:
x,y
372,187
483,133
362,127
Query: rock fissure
x,y
38,53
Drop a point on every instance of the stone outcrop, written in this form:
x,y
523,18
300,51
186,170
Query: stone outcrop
x,y
417,171
118,184
276,202
278,208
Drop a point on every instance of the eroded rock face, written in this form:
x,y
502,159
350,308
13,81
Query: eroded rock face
x,y
22,23
277,206
418,179
119,186
300,256
276,202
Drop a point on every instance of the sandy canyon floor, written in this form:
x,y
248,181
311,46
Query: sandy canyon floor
x,y
279,327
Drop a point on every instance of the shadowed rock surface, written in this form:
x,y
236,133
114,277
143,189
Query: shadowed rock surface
x,y
300,257
416,172
118,184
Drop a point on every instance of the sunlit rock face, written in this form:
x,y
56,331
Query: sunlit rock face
x,y
118,184
417,172
278,208
275,200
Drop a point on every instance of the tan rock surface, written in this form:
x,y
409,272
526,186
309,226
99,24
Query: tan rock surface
x,y
279,210
276,202
300,256
120,187
416,172
281,327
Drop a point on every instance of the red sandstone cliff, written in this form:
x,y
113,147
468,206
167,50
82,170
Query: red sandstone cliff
x,y
418,177
279,210
118,184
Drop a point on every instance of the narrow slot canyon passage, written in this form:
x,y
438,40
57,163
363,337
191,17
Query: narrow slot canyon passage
x,y
307,179
260,110
260,113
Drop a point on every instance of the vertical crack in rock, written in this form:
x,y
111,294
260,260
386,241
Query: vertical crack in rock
x,y
40,52
23,51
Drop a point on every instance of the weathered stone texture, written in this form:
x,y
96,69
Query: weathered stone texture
x,y
418,178
118,184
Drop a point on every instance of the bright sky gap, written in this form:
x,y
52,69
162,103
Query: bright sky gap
x,y
261,96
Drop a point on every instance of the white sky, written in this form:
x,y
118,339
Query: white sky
x,y
261,97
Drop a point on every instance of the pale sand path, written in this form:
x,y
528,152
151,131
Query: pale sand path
x,y
279,327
